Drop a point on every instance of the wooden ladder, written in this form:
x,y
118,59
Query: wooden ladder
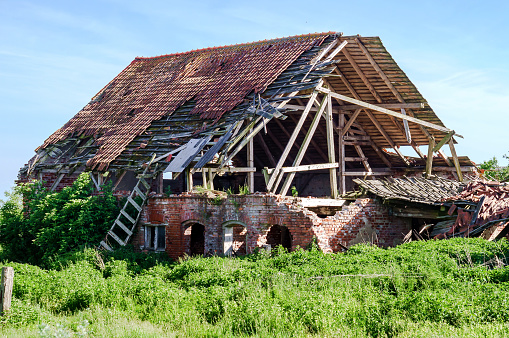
x,y
123,227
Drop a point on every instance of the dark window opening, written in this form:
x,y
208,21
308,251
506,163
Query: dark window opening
x,y
155,237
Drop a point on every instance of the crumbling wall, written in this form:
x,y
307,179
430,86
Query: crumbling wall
x,y
364,220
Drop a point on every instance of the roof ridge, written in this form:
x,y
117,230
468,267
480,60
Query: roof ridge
x,y
142,58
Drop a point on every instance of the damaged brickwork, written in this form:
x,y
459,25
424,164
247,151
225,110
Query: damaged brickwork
x,y
254,216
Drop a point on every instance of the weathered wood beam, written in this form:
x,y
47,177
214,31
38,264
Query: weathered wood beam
x,y
330,148
304,146
429,160
406,128
336,51
445,158
443,141
350,122
366,173
412,142
119,180
363,158
385,111
250,163
307,167
456,160
229,170
386,105
341,159
292,139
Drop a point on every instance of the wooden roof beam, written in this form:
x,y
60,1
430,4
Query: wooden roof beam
x,y
387,105
385,111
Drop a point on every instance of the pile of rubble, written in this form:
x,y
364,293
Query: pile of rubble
x,y
482,210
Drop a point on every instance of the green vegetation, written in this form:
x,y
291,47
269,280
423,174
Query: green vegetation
x,y
49,224
492,170
456,288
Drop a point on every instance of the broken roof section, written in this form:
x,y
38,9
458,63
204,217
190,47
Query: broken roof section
x,y
207,107
215,79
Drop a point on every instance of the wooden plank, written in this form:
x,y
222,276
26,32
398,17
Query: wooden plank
x,y
116,238
455,159
126,215
385,111
443,141
330,148
355,159
386,105
106,246
306,167
304,146
363,157
350,122
429,160
134,204
408,135
140,193
445,158
341,157
250,163
7,283
292,139
366,173
123,227
336,51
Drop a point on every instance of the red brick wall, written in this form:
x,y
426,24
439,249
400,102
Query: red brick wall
x,y
364,220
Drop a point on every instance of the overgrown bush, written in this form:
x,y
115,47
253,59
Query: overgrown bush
x,y
48,224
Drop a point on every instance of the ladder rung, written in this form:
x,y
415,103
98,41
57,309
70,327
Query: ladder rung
x,y
106,246
140,193
123,227
115,237
126,215
133,202
142,181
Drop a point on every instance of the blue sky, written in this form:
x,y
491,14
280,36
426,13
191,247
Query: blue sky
x,y
55,55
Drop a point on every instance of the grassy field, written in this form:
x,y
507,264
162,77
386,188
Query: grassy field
x,y
454,288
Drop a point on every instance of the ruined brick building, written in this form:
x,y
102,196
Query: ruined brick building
x,y
312,112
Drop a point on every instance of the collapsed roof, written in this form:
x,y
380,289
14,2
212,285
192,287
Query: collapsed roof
x,y
204,106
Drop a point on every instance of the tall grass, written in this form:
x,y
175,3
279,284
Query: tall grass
x,y
448,288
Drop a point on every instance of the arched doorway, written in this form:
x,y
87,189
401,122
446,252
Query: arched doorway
x,y
194,238
234,238
279,235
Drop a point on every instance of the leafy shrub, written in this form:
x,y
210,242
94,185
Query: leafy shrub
x,y
49,224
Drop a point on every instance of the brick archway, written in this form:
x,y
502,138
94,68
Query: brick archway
x,y
194,237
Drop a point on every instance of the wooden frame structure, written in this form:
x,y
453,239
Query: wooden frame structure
x,y
342,109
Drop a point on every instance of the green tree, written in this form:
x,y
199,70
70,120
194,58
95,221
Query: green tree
x,y
492,170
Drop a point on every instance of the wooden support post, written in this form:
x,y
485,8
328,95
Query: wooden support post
x,y
189,180
204,178
330,148
6,289
250,163
456,160
211,178
304,147
341,160
429,160
292,139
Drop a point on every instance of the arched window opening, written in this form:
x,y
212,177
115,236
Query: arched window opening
x,y
279,235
